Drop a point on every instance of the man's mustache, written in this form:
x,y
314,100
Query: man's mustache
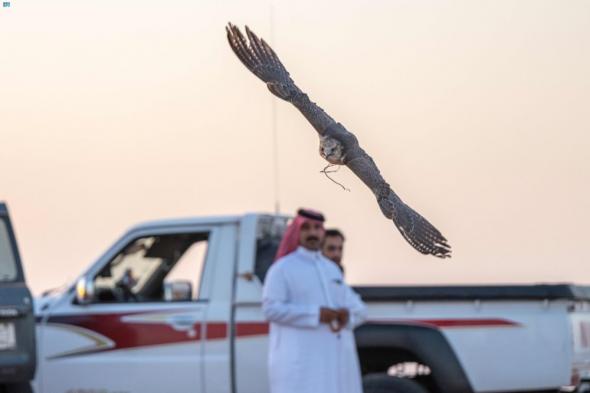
x,y
311,238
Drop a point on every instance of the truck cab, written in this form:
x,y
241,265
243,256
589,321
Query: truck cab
x,y
17,321
153,314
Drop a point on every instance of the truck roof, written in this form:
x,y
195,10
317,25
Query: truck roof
x,y
203,220
189,221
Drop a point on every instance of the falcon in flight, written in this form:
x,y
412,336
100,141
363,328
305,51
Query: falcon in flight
x,y
337,145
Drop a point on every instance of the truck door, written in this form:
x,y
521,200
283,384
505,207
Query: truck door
x,y
136,322
17,322
251,328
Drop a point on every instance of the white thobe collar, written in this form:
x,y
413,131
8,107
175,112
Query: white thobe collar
x,y
308,254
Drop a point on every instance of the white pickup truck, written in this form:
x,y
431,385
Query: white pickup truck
x,y
175,306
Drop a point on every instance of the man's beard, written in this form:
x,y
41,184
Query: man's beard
x,y
311,243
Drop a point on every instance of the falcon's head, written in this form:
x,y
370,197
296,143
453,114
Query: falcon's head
x,y
332,150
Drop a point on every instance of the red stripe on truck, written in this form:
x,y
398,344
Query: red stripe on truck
x,y
245,329
136,333
128,334
450,323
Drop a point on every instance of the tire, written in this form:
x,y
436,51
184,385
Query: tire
x,y
383,383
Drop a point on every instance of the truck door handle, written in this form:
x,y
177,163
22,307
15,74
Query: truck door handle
x,y
248,276
184,323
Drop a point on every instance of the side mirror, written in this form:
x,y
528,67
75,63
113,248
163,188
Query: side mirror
x,y
176,291
84,290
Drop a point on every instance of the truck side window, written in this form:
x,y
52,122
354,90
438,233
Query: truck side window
x,y
7,259
154,269
268,237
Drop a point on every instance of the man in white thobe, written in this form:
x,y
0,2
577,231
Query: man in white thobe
x,y
312,314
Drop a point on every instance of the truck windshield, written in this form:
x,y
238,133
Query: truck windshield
x,y
8,269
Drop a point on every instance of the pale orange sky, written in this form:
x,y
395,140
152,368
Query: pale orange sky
x,y
115,112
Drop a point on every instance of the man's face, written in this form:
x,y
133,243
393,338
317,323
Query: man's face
x,y
332,248
311,235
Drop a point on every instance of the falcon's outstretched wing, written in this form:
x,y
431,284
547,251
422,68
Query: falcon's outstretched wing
x,y
263,62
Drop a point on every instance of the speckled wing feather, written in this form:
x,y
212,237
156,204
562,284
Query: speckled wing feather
x,y
263,62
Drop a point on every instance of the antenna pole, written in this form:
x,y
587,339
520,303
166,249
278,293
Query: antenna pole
x,y
274,127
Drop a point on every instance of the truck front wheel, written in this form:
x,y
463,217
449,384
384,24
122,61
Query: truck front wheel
x,y
383,383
